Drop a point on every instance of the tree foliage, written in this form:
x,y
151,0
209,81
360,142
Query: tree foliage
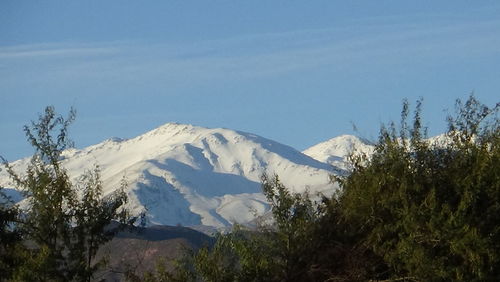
x,y
418,209
64,223
431,208
10,236
275,252
305,241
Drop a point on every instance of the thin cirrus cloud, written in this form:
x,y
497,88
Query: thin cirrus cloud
x,y
253,56
54,50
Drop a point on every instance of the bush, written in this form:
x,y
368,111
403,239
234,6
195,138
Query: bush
x,y
418,209
65,223
431,209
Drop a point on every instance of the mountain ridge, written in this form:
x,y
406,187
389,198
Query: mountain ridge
x,y
191,175
336,151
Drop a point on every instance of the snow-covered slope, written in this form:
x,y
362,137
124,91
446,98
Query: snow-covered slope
x,y
336,150
183,174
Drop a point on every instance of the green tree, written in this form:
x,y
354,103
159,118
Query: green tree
x,y
10,237
64,223
289,248
418,209
271,253
431,209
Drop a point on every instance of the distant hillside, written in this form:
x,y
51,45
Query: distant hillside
x,y
138,249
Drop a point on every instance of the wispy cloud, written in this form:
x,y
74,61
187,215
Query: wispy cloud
x,y
53,50
56,53
260,55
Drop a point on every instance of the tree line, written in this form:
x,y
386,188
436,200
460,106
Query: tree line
x,y
417,209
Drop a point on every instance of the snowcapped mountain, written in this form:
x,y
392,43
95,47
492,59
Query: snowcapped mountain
x,y
336,150
189,175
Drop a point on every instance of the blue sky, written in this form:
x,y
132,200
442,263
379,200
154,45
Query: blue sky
x,y
298,72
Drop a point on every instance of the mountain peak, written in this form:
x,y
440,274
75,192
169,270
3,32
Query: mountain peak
x,y
172,128
181,173
336,150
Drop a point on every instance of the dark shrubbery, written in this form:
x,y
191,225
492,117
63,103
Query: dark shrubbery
x,y
416,210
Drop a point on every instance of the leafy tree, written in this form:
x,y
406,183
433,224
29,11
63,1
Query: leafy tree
x,y
431,209
292,248
268,254
10,237
64,223
340,253
418,209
